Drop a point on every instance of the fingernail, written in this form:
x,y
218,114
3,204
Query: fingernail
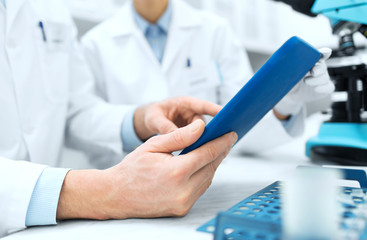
x,y
235,137
194,126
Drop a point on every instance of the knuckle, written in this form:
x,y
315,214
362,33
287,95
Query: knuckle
x,y
153,141
168,129
207,184
177,175
183,198
150,120
209,172
181,212
212,152
177,137
183,203
212,170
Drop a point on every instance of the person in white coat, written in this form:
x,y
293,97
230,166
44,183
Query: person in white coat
x,y
154,49
45,89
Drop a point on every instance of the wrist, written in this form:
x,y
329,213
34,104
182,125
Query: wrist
x,y
139,124
82,195
288,107
280,116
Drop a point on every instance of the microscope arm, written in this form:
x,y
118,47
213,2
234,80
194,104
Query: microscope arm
x,y
302,6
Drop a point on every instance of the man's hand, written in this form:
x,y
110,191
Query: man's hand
x,y
166,116
315,85
149,182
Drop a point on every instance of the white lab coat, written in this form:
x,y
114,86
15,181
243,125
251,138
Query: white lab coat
x,y
127,71
44,87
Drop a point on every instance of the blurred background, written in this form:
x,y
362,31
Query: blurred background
x,y
261,25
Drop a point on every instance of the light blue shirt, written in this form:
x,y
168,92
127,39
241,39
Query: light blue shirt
x,y
3,3
156,34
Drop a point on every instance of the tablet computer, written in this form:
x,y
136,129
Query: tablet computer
x,y
285,68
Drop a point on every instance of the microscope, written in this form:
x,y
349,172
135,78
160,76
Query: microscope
x,y
343,138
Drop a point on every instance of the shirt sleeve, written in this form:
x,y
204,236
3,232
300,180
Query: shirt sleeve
x,y
295,124
128,135
45,197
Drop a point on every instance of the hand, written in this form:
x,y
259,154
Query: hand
x,y
149,182
166,116
315,85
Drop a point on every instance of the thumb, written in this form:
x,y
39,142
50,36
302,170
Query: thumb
x,y
164,125
178,139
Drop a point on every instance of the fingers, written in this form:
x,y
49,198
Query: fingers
x,y
199,106
200,181
320,67
206,173
198,117
318,75
325,89
178,112
157,120
163,125
206,154
318,78
178,139
326,53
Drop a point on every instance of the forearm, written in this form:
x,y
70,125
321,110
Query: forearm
x,y
82,195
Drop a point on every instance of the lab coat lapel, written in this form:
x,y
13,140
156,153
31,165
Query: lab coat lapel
x,y
126,18
12,9
185,21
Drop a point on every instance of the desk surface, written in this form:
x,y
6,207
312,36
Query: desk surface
x,y
237,178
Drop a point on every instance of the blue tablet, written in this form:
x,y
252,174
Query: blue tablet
x,y
286,67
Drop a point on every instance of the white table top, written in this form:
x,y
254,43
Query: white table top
x,y
237,178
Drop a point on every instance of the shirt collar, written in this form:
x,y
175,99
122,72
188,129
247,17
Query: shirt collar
x,y
163,22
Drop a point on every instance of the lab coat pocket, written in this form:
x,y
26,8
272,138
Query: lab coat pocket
x,y
57,36
202,81
54,44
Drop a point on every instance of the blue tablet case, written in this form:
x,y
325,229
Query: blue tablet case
x,y
286,67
